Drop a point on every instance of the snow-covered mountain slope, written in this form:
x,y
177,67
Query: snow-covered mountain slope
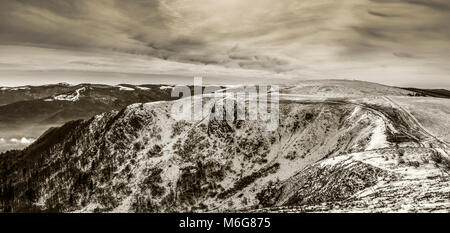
x,y
27,113
384,180
10,95
343,88
72,97
431,113
328,154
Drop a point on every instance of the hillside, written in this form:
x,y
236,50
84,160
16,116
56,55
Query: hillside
x,y
357,153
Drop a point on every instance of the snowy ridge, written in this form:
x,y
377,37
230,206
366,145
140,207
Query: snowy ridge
x,y
122,88
68,97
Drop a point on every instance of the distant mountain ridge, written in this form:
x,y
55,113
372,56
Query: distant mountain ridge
x,y
26,112
438,93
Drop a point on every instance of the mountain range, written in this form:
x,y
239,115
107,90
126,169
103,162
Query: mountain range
x,y
28,111
341,146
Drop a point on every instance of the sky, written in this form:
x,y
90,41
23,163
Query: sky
x,y
394,42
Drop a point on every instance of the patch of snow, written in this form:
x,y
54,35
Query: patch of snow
x,y
89,208
122,88
334,160
165,87
124,207
69,97
355,111
143,88
378,139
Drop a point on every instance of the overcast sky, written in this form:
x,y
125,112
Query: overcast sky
x,y
395,42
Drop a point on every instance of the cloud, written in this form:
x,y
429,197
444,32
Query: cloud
x,y
80,24
23,140
439,5
275,36
176,30
375,13
12,141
